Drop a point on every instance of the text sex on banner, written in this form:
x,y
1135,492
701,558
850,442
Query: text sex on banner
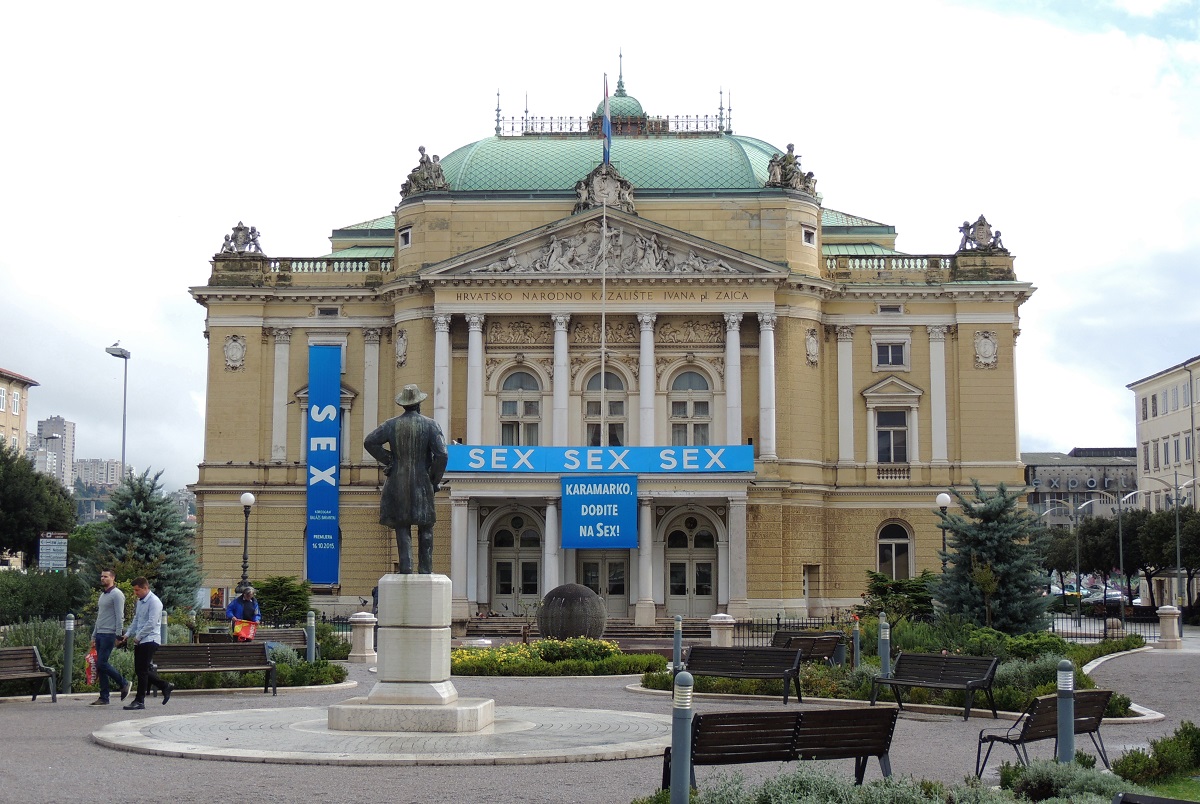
x,y
324,433
599,511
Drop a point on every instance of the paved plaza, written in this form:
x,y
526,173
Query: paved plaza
x,y
51,751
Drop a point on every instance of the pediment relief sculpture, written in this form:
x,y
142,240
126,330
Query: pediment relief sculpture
x,y
690,331
614,332
616,250
520,332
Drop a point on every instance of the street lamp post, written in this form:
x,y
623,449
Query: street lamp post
x,y
247,503
122,354
943,502
1048,512
1177,488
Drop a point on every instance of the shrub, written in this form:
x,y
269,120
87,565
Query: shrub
x,y
584,648
330,644
1119,706
283,600
1136,766
37,595
1045,780
1189,733
1172,755
572,657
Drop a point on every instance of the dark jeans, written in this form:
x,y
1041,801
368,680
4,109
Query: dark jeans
x,y
143,657
104,649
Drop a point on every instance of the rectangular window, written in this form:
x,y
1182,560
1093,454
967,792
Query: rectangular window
x,y
1164,402
889,354
893,560
3,398
1154,449
810,236
1145,456
1187,447
16,402
529,578
1178,454
404,237
1175,398
1187,394
1145,404
891,429
1154,404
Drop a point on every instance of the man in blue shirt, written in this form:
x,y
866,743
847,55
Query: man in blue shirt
x,y
244,607
143,632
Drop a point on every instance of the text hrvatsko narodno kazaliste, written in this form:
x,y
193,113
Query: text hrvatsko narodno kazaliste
x,y
599,484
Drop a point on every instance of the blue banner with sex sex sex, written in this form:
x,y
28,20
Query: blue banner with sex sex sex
x,y
324,416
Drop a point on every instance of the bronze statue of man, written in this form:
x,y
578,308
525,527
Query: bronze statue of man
x,y
412,449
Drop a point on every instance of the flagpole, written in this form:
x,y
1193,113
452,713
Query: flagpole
x,y
603,323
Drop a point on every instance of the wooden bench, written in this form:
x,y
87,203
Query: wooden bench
x,y
294,638
941,671
1040,722
217,658
729,738
26,662
784,663
813,647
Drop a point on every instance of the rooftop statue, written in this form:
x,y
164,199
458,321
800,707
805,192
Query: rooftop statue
x,y
784,171
243,241
604,186
979,236
427,175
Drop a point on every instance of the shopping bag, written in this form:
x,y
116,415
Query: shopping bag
x,y
89,672
244,630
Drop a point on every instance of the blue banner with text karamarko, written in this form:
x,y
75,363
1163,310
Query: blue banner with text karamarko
x,y
324,450
599,511
591,460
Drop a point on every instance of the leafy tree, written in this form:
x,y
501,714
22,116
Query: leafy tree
x,y
282,600
1156,547
993,560
908,597
30,504
144,536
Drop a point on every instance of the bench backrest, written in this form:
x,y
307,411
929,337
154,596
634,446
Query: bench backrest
x,y
1040,721
213,654
22,659
815,648
755,660
937,667
724,738
845,733
296,638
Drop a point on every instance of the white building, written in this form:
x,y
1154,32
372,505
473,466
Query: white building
x,y
1165,405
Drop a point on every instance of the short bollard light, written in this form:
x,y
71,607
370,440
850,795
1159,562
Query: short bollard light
x,y
68,653
677,655
885,646
681,739
310,637
857,637
1066,711
162,629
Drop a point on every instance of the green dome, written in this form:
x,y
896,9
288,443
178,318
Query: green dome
x,y
621,105
551,164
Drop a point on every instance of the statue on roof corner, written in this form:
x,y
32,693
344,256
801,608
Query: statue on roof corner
x,y
979,236
604,186
243,240
784,171
427,175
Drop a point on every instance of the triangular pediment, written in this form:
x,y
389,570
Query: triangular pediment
x,y
596,241
892,390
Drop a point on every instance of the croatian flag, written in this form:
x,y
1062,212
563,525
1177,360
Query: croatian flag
x,y
607,124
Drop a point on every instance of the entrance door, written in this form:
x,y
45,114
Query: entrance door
x,y
516,566
605,573
691,562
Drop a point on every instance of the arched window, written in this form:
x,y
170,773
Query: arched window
x,y
520,409
691,410
614,415
895,552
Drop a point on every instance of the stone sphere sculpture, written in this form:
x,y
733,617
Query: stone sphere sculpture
x,y
572,610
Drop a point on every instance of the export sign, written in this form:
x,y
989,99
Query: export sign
x,y
599,512
637,460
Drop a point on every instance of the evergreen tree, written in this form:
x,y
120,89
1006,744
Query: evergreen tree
x,y
993,573
145,535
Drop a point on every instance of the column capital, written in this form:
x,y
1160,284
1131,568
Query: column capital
x,y
475,321
441,322
646,320
733,322
282,334
767,320
459,502
371,335
937,332
845,333
560,321
551,502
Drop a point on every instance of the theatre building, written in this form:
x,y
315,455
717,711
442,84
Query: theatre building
x,y
671,375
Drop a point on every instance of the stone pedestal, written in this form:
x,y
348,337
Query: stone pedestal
x,y
720,630
414,691
1168,628
362,637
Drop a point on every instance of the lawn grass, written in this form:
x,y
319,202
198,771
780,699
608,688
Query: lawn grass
x,y
1186,788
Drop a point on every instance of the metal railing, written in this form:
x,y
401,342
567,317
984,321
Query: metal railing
x,y
1093,629
758,632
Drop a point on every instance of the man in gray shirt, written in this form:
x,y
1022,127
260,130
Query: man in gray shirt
x,y
110,618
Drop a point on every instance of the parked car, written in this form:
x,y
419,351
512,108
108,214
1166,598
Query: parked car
x,y
1108,596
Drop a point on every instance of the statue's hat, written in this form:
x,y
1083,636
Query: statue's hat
x,y
411,395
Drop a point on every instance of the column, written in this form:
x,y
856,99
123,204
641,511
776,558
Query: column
x,y
483,573
550,547
733,378
562,378
279,398
646,379
739,604
458,560
473,564
441,371
370,386
845,394
643,611
766,386
475,378
937,393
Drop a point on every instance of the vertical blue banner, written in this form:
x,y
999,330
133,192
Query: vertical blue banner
x,y
599,512
324,453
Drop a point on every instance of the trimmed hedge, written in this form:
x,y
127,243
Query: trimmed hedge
x,y
552,657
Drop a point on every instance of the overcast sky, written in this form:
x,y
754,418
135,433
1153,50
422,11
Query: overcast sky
x,y
137,134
